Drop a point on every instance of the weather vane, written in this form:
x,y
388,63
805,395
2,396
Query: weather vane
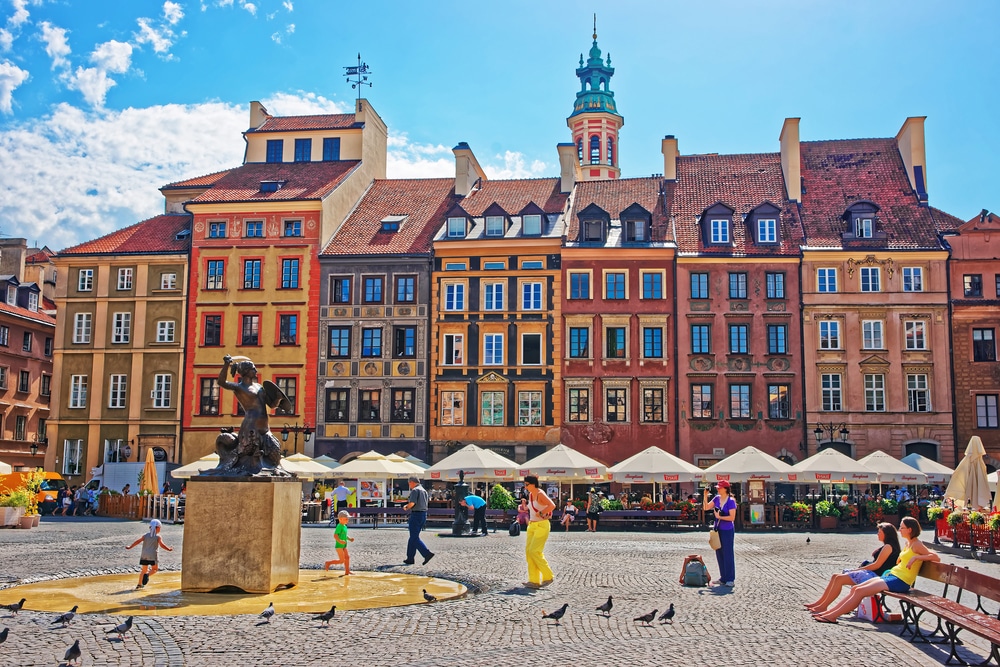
x,y
360,73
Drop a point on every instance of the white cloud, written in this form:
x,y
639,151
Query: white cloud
x,y
172,12
20,14
406,160
249,6
6,39
161,39
56,44
303,104
513,166
277,36
113,56
288,5
11,76
290,28
93,83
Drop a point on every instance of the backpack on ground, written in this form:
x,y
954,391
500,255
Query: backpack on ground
x,y
515,529
696,574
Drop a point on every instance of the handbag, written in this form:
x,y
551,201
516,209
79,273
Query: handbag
x,y
871,610
515,529
713,539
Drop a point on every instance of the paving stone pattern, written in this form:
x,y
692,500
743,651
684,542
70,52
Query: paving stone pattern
x,y
759,622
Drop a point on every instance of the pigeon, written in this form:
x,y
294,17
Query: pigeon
x,y
327,616
668,615
557,614
122,628
268,613
807,540
606,607
73,653
646,618
13,607
3,635
428,596
67,617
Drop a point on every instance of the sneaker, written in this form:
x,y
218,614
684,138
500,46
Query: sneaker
x,y
428,558
546,582
408,562
718,582
138,587
730,584
531,584
145,579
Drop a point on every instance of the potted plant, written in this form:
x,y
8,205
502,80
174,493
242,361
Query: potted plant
x,y
935,513
11,509
956,519
977,518
18,498
848,513
33,484
800,512
828,514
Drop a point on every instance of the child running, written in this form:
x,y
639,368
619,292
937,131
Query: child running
x,y
151,541
340,542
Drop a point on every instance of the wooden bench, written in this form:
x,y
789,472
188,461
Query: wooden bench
x,y
953,616
632,517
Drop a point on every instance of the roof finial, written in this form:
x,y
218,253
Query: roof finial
x,y
595,26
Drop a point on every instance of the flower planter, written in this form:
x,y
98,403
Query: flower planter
x,y
9,516
35,518
25,522
828,522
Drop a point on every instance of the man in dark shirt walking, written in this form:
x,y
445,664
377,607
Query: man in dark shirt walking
x,y
417,506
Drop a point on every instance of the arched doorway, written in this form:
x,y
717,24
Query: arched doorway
x,y
844,448
926,449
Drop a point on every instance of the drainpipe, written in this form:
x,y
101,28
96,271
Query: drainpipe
x,y
951,348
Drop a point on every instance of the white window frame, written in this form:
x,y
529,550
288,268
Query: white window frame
x,y
767,230
493,349
165,331
168,281
492,397
864,228
874,392
871,279
918,341
112,450
831,392
72,453
531,296
831,339
454,297
82,328
534,222
456,343
493,296
493,226
455,410
78,391
986,410
456,228
720,230
162,390
85,280
918,394
913,279
117,390
121,328
32,302
529,408
125,275
827,277
872,335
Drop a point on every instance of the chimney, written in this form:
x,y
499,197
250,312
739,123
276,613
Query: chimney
x,y
467,169
258,114
569,166
791,160
669,149
910,140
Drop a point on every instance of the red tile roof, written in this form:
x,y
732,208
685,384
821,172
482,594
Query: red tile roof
x,y
742,182
197,181
156,235
837,174
614,196
946,222
24,313
302,180
425,201
43,256
337,121
514,194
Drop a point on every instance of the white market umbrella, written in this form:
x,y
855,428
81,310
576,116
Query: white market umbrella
x,y
474,462
891,470
749,463
327,461
968,486
564,464
831,467
196,467
936,473
373,465
304,467
5,468
654,465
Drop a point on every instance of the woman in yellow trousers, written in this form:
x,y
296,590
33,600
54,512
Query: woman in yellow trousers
x,y
540,508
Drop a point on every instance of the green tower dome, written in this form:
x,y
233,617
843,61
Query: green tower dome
x,y
595,84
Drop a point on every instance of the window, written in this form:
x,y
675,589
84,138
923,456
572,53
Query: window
x,y
455,266
737,285
24,381
870,279
85,282
48,346
739,401
404,345
983,345
973,285
289,273
913,279
5,335
875,392
26,341
986,411
529,408
652,285
82,323
579,405
863,228
454,296
652,342
829,335
162,385
289,387
292,228
340,290
595,149
288,326
493,349
826,280
531,296
32,302
213,330
209,403
113,450
121,328
531,349
775,285
615,339
918,397
579,342
777,339
778,404
216,272
452,408
454,350
117,390
331,149
494,266
45,388
493,296
72,455
617,405
373,290
125,279
254,229
456,228
611,152
614,284
494,225
217,230
701,401
593,230
915,335
338,406
3,377
767,231
871,332
78,391
579,150
251,274
371,342
402,405
303,150
652,404
406,289
531,225
11,295
699,285
340,343
830,386
738,334
635,231
250,331
720,231
491,408
370,405
579,285
275,148
701,335
20,427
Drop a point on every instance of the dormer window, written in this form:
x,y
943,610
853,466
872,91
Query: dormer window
x,y
862,222
594,221
270,186
635,224
863,228
717,224
11,295
767,230
719,230
593,230
762,222
494,225
392,223
32,302
531,225
456,228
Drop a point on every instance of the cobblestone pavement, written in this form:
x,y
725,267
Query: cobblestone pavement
x,y
760,621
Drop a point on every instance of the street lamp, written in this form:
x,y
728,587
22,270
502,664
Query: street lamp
x,y
828,432
37,438
305,430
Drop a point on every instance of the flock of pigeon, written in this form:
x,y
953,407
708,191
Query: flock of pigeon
x,y
645,619
73,653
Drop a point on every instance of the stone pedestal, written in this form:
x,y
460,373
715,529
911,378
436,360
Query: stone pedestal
x,y
242,533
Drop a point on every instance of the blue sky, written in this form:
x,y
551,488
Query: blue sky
x,y
103,102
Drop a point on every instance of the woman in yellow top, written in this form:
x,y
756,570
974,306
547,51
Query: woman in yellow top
x,y
898,579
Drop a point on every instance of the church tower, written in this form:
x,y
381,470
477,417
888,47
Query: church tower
x,y
595,121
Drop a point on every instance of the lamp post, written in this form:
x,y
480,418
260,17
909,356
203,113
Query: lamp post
x,y
813,498
37,439
305,430
829,432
